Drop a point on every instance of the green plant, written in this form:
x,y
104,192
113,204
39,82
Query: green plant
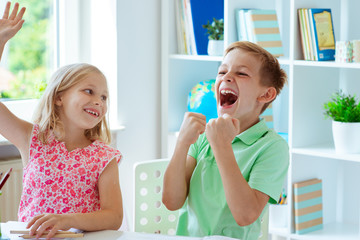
x,y
215,30
342,108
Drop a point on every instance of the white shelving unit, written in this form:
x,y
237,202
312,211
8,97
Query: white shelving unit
x,y
298,110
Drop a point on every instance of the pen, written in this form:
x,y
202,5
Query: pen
x,y
5,178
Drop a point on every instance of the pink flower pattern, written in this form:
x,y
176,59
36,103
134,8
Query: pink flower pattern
x,y
58,181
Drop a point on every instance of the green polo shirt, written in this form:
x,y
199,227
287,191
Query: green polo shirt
x,y
263,158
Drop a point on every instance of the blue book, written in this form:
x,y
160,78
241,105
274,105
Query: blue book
x,y
323,34
203,11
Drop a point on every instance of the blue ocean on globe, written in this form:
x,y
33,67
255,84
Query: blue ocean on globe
x,y
202,99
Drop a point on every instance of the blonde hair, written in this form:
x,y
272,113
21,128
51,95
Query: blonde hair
x,y
47,116
271,73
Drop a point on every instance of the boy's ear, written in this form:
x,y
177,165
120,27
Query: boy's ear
x,y
268,96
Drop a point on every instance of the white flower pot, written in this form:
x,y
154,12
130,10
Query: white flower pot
x,y
215,47
346,137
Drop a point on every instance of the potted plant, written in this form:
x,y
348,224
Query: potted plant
x,y
215,30
344,110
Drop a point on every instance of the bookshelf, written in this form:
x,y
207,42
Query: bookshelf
x,y
298,110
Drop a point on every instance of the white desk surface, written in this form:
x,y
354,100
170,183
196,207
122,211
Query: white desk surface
x,y
105,235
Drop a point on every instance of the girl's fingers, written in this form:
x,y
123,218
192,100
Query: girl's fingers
x,y
7,10
20,15
14,11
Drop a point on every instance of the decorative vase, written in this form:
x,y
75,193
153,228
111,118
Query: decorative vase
x,y
215,47
346,137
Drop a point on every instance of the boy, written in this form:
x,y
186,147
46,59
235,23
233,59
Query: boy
x,y
224,178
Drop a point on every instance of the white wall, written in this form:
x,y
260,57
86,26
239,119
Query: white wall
x,y
138,24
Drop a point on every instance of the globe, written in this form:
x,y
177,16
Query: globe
x,y
202,99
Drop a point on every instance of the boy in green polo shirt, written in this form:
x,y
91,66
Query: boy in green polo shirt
x,y
223,173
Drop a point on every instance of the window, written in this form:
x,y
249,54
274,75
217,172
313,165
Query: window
x,y
29,57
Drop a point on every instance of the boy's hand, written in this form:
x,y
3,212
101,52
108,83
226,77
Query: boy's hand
x,y
193,125
10,25
222,130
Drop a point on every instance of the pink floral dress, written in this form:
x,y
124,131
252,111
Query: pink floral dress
x,y
58,181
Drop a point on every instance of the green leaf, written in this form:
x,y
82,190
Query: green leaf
x,y
342,108
215,30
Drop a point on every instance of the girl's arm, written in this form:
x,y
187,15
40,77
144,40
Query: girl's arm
x,y
16,130
109,217
178,173
12,128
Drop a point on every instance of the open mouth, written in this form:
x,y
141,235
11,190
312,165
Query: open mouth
x,y
227,97
95,114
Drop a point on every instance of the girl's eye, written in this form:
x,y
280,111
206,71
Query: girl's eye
x,y
221,72
104,98
89,91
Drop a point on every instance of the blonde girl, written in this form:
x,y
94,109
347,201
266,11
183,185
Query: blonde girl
x,y
71,177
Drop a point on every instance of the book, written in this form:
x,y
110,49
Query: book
x,y
191,15
241,24
324,38
308,206
180,28
203,11
310,46
317,34
263,29
302,34
312,35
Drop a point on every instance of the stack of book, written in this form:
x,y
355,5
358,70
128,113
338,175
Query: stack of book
x,y
317,34
190,16
259,26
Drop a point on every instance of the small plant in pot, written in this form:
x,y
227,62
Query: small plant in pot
x,y
215,30
344,110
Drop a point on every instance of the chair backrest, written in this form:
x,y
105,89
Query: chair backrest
x,y
150,214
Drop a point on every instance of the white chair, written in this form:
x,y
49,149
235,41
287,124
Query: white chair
x,y
150,215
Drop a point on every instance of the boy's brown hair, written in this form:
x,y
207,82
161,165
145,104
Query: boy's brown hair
x,y
270,72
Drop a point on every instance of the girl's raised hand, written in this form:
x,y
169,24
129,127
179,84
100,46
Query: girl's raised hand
x,y
10,25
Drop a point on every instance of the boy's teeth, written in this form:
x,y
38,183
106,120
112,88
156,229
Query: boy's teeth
x,y
227,92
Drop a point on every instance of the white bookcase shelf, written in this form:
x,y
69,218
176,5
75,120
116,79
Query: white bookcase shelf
x,y
331,231
330,64
325,150
298,111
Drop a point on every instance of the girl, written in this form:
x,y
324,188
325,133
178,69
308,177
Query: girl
x,y
70,175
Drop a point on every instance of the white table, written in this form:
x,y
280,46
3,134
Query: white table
x,y
107,234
